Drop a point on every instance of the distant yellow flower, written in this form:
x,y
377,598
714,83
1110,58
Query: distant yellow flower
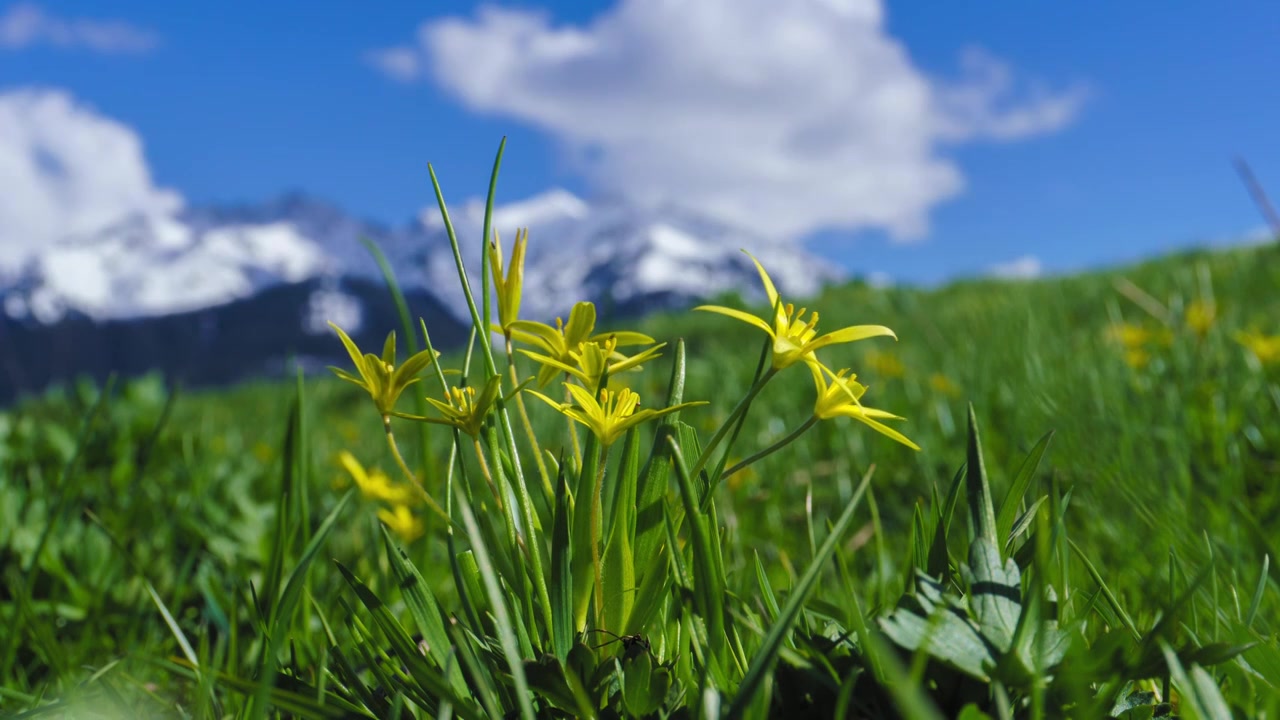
x,y
1137,358
1266,348
885,363
1127,334
263,451
942,384
560,341
736,480
375,485
508,287
610,417
379,376
841,398
401,520
1200,316
1135,342
592,360
794,338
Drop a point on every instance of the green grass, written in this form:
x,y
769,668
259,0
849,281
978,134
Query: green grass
x,y
197,553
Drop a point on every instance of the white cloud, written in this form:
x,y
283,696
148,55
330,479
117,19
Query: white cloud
x,y
788,116
26,25
400,63
66,170
1026,267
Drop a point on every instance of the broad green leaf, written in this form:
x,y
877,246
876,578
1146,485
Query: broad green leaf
x,y
938,622
995,592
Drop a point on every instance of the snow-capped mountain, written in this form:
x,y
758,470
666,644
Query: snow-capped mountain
x,y
216,294
151,266
620,256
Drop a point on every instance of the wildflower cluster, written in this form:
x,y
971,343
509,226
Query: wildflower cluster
x,y
585,589
795,339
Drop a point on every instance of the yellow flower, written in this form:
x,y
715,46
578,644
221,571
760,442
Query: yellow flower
x,y
508,287
401,520
886,363
591,361
560,341
378,375
840,398
1135,341
942,384
1127,334
1265,348
375,485
794,338
463,408
610,417
1137,358
1200,316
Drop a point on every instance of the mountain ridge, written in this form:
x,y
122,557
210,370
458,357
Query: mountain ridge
x,y
202,277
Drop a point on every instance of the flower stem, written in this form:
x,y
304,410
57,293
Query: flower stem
x,y
488,477
595,536
813,419
395,452
738,413
528,426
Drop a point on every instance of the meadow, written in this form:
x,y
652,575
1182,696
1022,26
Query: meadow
x,y
1087,530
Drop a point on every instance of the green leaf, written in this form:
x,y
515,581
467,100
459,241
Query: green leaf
x,y
655,475
644,688
619,571
982,518
708,586
972,712
429,679
764,659
995,592
583,573
1257,592
939,564
1201,697
425,611
282,611
937,622
619,578
1018,489
653,591
501,617
561,588
547,679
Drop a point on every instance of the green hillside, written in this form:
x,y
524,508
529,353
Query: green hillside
x,y
135,520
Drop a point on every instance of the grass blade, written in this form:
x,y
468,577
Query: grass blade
x,y
763,661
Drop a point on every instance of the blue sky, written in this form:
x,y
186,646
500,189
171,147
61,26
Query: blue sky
x,y
917,140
